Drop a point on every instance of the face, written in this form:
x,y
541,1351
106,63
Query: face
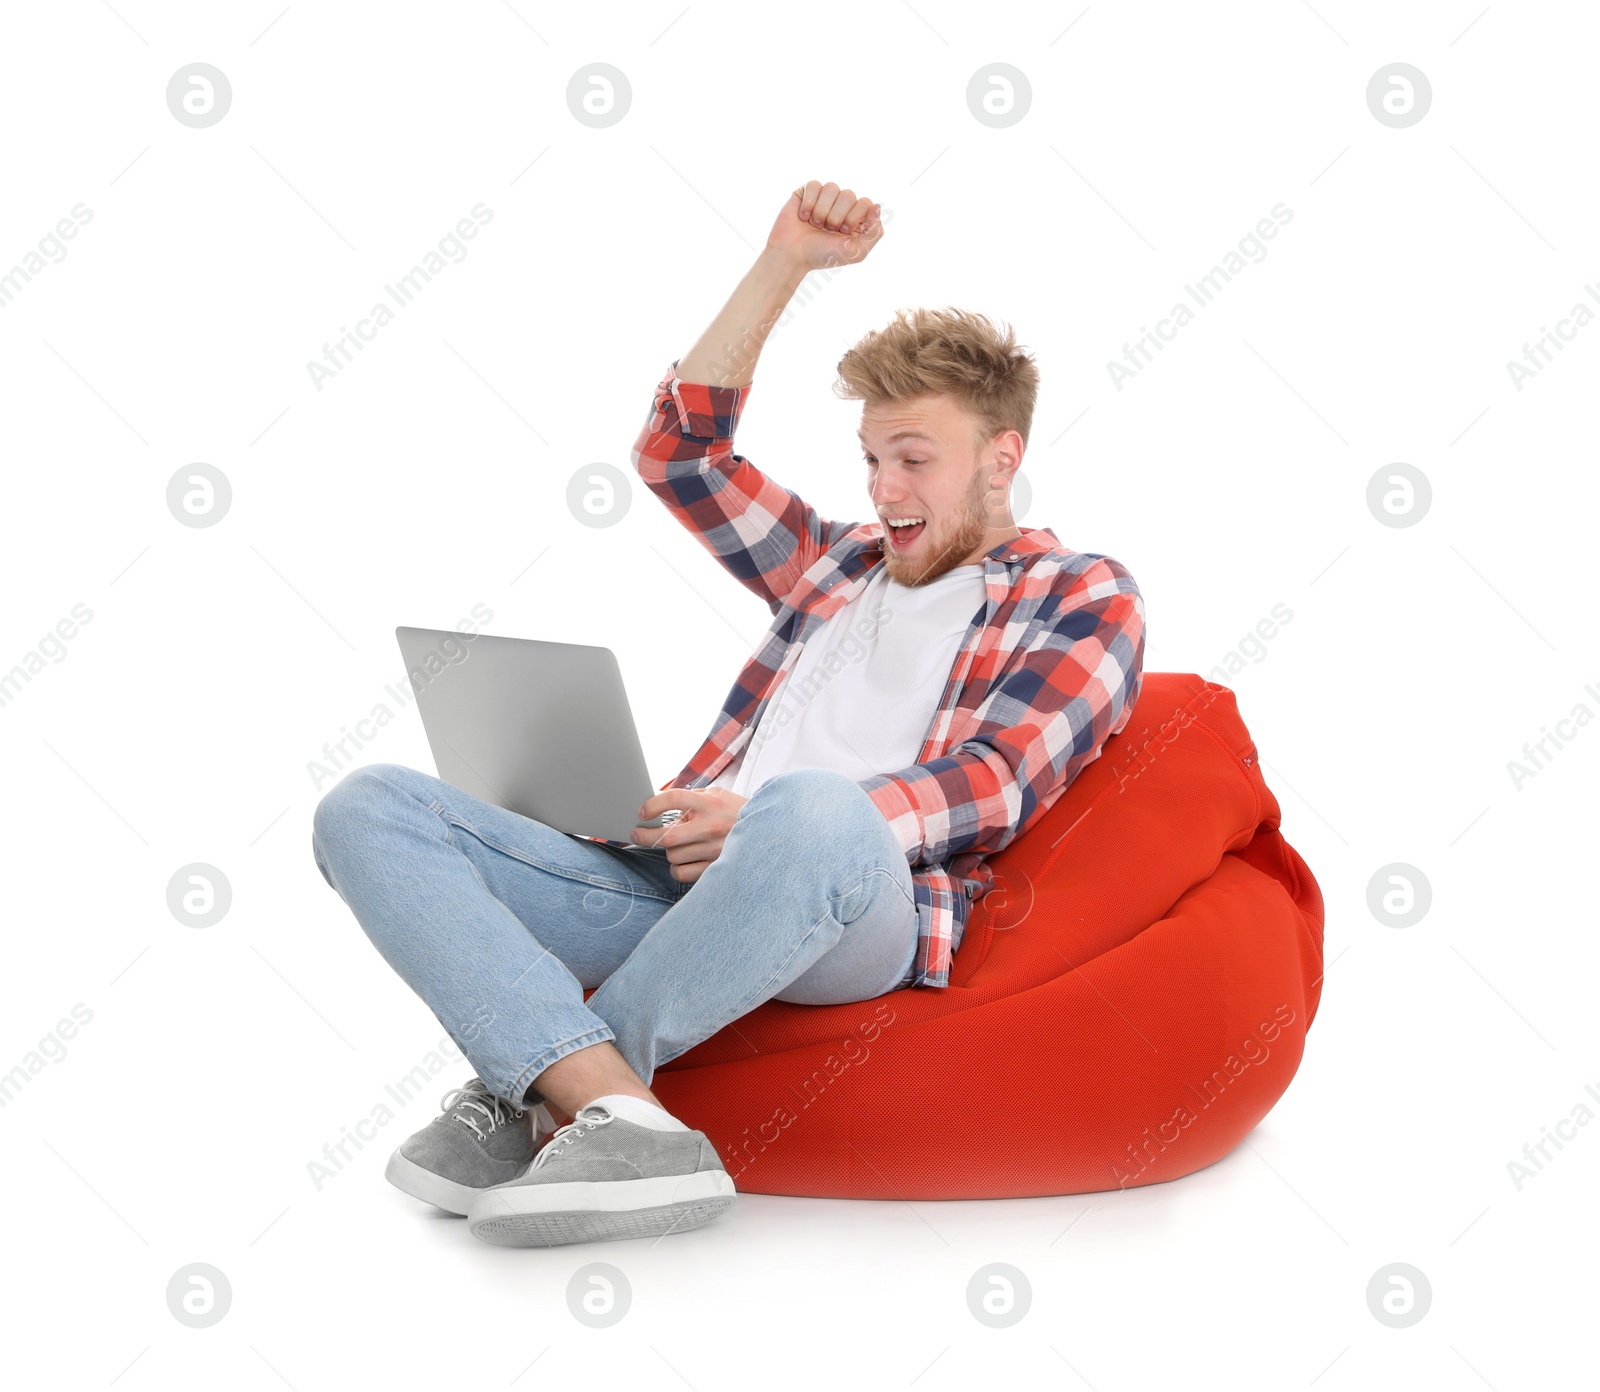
x,y
922,462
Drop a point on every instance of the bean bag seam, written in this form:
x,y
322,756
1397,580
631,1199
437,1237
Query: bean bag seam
x,y
1233,761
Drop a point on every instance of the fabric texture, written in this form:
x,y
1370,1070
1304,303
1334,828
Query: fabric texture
x,y
1049,670
477,1140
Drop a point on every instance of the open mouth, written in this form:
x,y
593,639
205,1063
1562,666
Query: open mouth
x,y
904,537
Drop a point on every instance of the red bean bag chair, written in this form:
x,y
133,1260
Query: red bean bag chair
x,y
1140,979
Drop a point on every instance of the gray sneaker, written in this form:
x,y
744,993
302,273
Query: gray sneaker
x,y
478,1140
602,1176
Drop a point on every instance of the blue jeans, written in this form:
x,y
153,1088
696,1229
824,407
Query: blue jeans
x,y
498,922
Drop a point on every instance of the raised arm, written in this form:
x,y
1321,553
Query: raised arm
x,y
819,225
763,534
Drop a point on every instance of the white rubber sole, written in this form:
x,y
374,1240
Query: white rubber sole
x,y
430,1187
444,1193
550,1215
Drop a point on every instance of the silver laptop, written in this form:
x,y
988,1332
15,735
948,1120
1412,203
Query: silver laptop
x,y
541,729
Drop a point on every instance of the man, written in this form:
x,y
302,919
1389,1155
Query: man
x,y
932,681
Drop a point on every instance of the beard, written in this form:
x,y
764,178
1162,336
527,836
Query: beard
x,y
943,545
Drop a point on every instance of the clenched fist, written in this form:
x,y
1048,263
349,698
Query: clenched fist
x,y
824,225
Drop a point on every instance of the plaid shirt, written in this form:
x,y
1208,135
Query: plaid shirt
x,y
1048,670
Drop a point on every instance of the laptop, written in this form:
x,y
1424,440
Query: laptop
x,y
542,729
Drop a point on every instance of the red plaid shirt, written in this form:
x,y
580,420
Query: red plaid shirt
x,y
1046,673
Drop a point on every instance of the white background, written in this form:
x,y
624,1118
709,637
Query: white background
x,y
430,475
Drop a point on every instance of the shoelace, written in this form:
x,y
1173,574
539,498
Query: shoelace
x,y
587,1119
475,1094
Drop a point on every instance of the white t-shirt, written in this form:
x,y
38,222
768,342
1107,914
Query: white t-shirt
x,y
867,683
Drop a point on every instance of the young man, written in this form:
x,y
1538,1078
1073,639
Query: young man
x,y
931,683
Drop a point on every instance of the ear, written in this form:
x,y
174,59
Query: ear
x,y
1007,451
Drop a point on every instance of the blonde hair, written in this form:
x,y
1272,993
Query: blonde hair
x,y
952,352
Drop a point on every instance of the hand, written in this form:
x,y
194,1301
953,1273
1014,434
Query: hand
x,y
695,839
824,225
